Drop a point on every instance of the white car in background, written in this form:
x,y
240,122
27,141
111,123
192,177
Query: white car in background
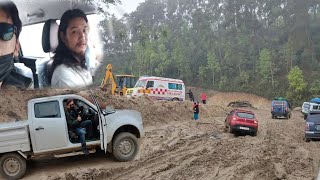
x,y
307,107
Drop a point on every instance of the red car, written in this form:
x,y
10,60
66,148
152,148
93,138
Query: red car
x,y
243,121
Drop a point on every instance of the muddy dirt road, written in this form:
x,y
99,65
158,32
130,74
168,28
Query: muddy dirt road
x,y
185,149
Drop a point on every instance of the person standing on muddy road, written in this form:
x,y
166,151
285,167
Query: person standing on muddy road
x,y
191,95
10,28
196,111
204,98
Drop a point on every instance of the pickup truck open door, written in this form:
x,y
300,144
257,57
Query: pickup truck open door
x,y
102,125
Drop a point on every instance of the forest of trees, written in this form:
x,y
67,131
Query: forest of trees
x,y
266,47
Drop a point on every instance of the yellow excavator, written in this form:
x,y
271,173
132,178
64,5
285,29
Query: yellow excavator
x,y
117,84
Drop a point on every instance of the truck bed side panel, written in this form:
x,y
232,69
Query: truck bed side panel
x,y
14,139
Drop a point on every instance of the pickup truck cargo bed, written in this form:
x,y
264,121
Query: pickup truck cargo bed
x,y
14,137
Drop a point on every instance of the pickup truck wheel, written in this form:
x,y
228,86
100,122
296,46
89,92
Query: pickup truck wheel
x,y
125,147
13,166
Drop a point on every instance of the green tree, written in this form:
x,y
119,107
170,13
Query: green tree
x,y
266,67
315,88
213,65
297,85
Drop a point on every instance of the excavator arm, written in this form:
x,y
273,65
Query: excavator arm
x,y
109,76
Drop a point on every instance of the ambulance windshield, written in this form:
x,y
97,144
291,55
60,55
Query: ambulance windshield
x,y
141,83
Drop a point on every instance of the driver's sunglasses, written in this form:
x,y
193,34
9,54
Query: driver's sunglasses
x,y
7,31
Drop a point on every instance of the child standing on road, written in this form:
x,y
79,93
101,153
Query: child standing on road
x,y
196,111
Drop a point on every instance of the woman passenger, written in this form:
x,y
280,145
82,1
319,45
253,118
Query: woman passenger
x,y
69,64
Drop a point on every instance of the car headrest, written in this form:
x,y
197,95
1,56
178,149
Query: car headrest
x,y
50,36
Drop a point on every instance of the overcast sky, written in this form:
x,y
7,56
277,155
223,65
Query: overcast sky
x,y
127,6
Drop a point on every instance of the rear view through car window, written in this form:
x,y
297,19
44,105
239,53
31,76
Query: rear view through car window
x,y
245,115
279,103
313,118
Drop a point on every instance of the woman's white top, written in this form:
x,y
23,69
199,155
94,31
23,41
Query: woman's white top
x,y
70,77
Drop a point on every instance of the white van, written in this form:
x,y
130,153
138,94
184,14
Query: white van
x,y
309,106
158,88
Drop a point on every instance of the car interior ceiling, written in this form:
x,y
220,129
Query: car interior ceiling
x,y
40,11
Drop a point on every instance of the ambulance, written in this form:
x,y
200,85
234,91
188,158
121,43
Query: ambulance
x,y
158,88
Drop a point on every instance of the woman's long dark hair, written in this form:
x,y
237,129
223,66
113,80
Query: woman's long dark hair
x,y
63,55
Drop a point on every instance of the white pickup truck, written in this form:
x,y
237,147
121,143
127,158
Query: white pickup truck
x,y
46,133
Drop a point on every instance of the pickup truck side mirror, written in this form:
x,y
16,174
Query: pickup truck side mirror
x,y
109,110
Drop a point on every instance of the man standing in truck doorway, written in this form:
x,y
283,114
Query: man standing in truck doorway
x,y
10,28
76,124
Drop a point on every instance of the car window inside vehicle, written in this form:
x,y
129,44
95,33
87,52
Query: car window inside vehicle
x,y
30,40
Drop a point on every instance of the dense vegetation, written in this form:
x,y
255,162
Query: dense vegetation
x,y
267,47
